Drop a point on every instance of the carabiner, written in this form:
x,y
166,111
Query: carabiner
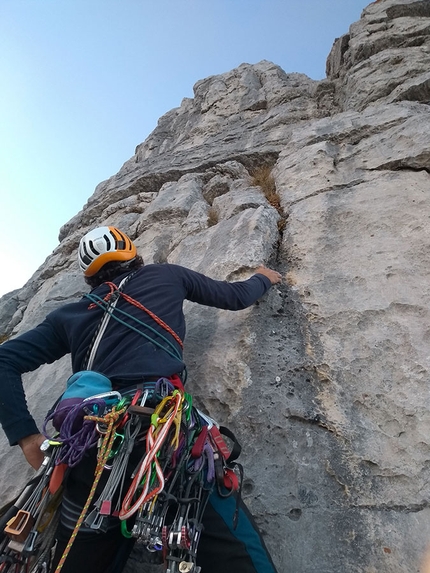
x,y
115,445
105,396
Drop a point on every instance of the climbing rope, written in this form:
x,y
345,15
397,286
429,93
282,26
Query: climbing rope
x,y
170,348
75,442
110,418
114,289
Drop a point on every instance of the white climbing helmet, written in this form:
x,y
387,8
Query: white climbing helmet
x,y
103,245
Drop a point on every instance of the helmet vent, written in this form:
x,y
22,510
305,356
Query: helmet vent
x,y
92,247
86,258
108,242
122,245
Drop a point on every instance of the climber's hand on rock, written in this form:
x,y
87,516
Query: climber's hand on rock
x,y
273,276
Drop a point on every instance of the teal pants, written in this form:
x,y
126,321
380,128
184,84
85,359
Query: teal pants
x,y
225,549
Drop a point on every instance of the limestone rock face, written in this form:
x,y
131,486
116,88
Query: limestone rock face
x,y
385,57
324,380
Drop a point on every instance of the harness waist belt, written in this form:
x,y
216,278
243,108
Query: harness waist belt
x,y
146,382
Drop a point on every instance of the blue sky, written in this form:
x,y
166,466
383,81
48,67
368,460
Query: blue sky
x,y
85,81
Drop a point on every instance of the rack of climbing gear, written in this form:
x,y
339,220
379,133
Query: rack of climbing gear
x,y
160,458
28,526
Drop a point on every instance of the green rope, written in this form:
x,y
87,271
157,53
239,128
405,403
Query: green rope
x,y
102,304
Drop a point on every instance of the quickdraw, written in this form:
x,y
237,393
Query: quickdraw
x,y
149,477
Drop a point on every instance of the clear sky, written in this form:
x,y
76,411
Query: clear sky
x,y
85,81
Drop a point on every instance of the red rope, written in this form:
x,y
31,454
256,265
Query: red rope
x,y
137,304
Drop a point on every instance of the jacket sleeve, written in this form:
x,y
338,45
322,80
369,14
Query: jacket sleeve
x,y
222,294
26,353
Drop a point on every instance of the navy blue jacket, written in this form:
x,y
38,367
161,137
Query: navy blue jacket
x,y
123,355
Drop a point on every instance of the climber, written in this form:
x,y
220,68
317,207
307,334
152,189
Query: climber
x,y
153,294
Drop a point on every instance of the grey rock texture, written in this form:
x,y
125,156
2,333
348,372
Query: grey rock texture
x,y
325,380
